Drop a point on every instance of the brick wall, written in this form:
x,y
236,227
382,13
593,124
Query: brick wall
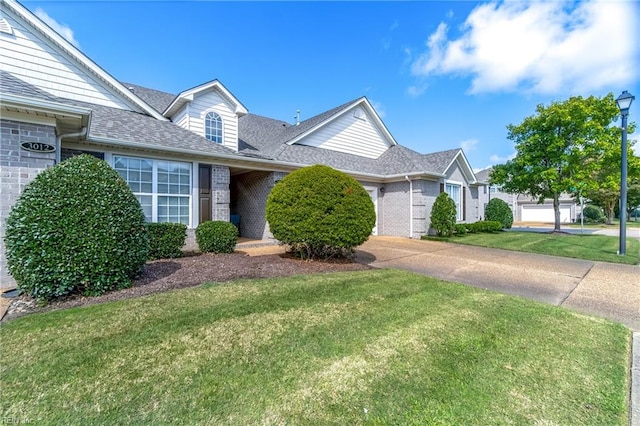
x,y
393,209
17,168
250,195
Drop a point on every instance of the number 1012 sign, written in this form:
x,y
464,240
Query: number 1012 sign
x,y
38,147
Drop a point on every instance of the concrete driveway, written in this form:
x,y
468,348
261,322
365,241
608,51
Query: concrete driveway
x,y
596,288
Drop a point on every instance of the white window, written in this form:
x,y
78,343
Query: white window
x,y
454,191
163,188
213,127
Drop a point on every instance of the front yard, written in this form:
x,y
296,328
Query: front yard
x,y
589,247
374,346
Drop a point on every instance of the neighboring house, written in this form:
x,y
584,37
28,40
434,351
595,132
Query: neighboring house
x,y
199,155
525,208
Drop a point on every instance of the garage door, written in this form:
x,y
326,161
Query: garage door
x,y
544,213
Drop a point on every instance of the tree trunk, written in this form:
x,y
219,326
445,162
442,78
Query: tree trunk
x,y
556,212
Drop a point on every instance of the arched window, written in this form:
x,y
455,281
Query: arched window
x,y
213,127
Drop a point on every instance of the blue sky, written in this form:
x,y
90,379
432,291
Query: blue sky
x,y
441,75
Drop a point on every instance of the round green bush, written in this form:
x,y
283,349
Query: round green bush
x,y
593,214
216,237
499,211
443,215
76,228
166,239
320,212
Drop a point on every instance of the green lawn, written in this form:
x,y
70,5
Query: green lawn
x,y
590,247
369,347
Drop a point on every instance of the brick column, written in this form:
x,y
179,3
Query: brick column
x,y
221,195
17,168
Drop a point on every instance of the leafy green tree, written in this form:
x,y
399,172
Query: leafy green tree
x,y
443,215
557,149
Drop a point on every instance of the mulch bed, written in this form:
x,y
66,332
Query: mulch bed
x,y
193,270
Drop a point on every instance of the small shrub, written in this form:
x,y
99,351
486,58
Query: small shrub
x,y
166,240
461,229
593,214
76,228
443,215
499,211
484,226
216,237
320,212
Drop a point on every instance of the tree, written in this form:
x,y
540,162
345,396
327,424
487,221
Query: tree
x,y
557,149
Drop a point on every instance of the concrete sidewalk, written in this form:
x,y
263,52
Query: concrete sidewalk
x,y
596,288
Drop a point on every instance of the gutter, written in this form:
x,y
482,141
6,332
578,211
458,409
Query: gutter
x,y
410,206
59,138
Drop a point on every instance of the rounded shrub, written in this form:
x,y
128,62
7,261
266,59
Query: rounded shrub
x,y
76,228
593,214
443,215
216,237
499,211
320,212
166,240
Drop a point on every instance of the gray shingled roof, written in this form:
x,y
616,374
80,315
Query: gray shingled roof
x,y
123,125
259,137
157,99
483,175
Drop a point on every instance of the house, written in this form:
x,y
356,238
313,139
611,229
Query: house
x,y
200,154
526,208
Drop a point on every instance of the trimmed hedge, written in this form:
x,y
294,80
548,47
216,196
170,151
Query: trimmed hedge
x,y
320,212
499,211
216,237
443,215
166,240
76,228
461,228
484,226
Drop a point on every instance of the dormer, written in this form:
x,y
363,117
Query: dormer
x,y
209,110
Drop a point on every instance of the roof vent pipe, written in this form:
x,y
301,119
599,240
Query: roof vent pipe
x,y
297,117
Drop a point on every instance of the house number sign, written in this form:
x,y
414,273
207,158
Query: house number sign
x,y
37,147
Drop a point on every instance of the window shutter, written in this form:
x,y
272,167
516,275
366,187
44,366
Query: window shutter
x,y
441,187
464,203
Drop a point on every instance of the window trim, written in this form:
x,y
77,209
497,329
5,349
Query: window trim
x,y
460,202
208,128
154,194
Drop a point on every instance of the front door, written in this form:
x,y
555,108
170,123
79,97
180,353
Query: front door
x,y
205,192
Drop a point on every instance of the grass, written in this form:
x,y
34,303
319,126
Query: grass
x,y
631,224
368,347
600,248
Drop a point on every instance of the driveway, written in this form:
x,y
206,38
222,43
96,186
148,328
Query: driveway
x,y
596,288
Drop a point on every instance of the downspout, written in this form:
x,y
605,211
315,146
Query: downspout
x,y
59,138
410,206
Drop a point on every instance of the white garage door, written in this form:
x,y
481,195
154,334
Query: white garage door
x,y
544,213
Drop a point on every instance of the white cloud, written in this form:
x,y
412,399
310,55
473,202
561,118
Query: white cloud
x,y
469,145
496,159
416,91
538,47
61,29
379,108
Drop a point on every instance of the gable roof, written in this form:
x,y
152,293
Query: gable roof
x,y
311,125
75,55
157,99
121,127
484,175
189,95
